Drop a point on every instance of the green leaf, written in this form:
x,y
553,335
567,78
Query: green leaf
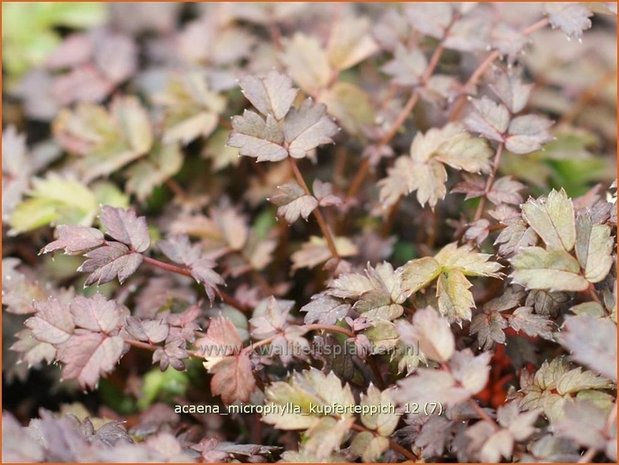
x,y
554,270
454,298
461,151
467,260
162,385
163,162
424,171
375,305
28,30
418,273
107,193
552,218
307,388
221,154
191,109
306,62
350,42
555,383
383,336
350,105
54,200
106,140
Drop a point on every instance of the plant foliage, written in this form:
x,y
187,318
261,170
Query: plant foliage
x,y
309,232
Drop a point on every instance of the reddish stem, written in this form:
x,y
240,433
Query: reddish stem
x,y
489,181
331,328
364,167
320,219
594,295
225,297
483,67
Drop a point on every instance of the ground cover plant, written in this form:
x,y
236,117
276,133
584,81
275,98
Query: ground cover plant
x,y
309,232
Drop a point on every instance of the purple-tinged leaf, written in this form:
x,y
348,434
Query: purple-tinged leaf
x,y
571,18
96,313
257,138
52,322
19,445
506,190
323,191
180,250
523,319
325,309
428,385
509,87
154,331
407,66
488,326
31,350
172,354
108,262
470,371
221,339
528,134
87,356
126,227
489,119
293,202
20,288
270,317
431,19
477,231
592,342
233,378
308,127
584,423
74,239
516,236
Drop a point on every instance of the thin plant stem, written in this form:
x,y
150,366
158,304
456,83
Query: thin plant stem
x,y
593,294
364,167
320,219
458,106
330,328
153,347
482,413
225,297
489,181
